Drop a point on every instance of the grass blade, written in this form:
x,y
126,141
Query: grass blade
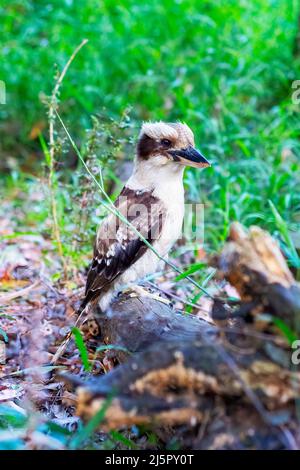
x,y
285,329
86,431
192,269
4,335
117,436
82,348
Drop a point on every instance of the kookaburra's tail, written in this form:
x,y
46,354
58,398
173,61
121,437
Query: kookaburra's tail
x,y
81,307
91,297
85,302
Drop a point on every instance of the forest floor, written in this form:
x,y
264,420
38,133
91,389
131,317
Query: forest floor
x,y
37,312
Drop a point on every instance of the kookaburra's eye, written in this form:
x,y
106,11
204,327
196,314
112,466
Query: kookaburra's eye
x,y
166,142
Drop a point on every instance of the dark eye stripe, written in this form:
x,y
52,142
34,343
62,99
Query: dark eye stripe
x,y
146,146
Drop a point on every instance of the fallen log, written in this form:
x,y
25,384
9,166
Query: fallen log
x,y
181,374
135,323
190,384
227,389
252,262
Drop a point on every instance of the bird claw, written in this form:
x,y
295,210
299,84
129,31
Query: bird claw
x,y
138,291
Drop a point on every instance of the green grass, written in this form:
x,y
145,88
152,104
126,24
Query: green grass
x,y
226,68
214,64
82,349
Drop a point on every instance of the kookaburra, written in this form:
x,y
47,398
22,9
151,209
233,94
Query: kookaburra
x,y
152,200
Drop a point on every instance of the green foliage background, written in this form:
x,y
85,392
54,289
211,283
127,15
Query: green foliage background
x,y
224,67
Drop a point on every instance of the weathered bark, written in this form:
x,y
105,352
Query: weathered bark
x,y
193,384
135,323
182,373
238,387
253,263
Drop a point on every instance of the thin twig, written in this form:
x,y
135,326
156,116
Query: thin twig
x,y
176,297
19,293
63,346
52,110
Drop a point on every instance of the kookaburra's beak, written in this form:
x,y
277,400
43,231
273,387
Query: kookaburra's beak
x,y
189,157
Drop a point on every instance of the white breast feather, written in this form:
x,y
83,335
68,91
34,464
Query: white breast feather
x,y
169,189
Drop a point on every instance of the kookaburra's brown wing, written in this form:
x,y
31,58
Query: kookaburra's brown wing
x,y
117,246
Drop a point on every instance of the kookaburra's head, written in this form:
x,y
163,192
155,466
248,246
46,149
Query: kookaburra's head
x,y
164,144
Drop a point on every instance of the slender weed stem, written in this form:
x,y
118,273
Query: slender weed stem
x,y
52,182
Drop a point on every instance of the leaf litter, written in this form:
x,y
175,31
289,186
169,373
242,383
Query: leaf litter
x,y
37,312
